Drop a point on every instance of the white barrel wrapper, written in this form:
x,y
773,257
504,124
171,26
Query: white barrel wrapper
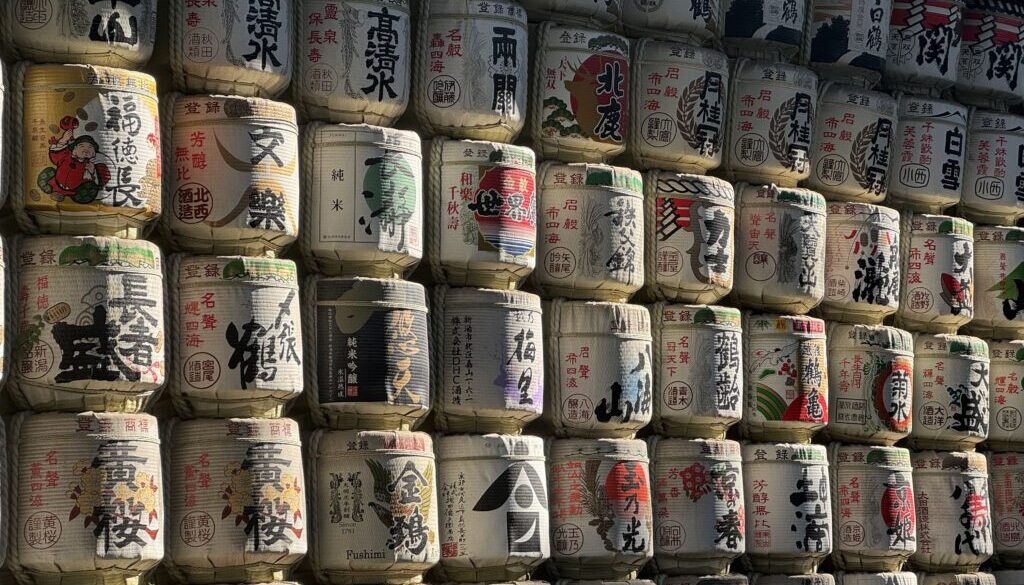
x,y
234,166
698,370
367,81
930,155
604,14
601,518
959,579
729,579
599,376
999,282
780,245
936,274
990,65
694,23
993,184
363,208
86,500
237,499
491,378
493,511
772,108
481,213
873,504
808,579
682,97
1006,400
698,505
903,578
90,324
870,383
1007,476
766,29
236,334
376,518
786,494
855,55
862,263
924,46
951,391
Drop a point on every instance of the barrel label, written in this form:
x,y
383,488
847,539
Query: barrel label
x,y
951,395
703,489
1007,397
931,151
875,503
791,504
779,20
953,514
402,501
862,255
694,359
854,140
924,40
255,34
261,496
939,272
774,120
992,53
605,382
995,165
850,31
786,379
690,222
1008,514
126,26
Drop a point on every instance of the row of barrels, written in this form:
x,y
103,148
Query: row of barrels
x,y
226,500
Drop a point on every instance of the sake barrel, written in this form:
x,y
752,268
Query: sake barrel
x,y
604,14
599,368
615,538
603,582
924,46
729,579
690,220
999,274
377,521
786,376
780,246
684,95
1007,477
870,383
698,512
86,146
873,502
86,499
951,392
591,239
363,213
993,183
990,59
854,139
1006,578
506,327
471,64
481,213
957,579
786,494
1006,400
903,578
238,500
772,107
115,34
862,263
579,97
234,48
99,342
697,23
930,142
847,41
808,579
698,370
237,336
367,80
371,368
240,195
764,29
954,522
494,505
936,273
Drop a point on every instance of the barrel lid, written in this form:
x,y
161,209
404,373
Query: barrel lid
x,y
678,448
559,175
870,336
755,71
960,579
519,447
486,297
511,155
774,452
705,580
996,122
683,54
668,183
62,427
905,578
240,269
876,214
556,35
360,443
90,251
1009,7
503,9
390,293
58,75
930,224
1012,351
265,430
815,579
851,96
230,107
896,458
761,194
1007,462
915,106
352,135
770,324
598,318
962,461
958,345
629,449
680,314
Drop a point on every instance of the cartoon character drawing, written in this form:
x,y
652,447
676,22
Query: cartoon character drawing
x,y
75,174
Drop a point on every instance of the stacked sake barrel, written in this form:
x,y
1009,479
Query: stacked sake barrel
x,y
82,465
